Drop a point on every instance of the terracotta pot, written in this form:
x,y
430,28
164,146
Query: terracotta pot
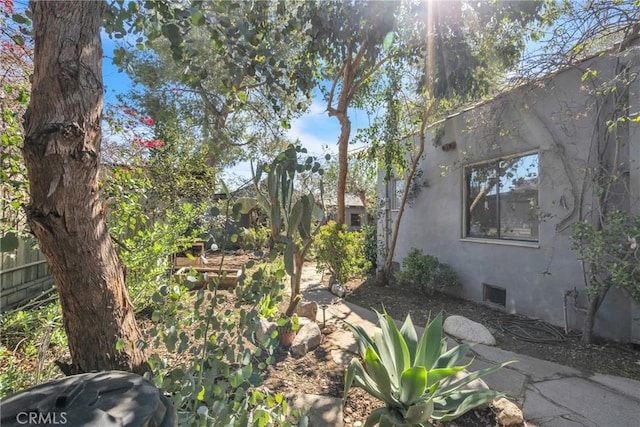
x,y
286,334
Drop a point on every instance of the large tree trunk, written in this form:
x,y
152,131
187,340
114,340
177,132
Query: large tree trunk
x,y
62,154
592,310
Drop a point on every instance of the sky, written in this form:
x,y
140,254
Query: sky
x,y
317,132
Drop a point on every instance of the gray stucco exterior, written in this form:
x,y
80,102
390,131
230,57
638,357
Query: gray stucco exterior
x,y
557,119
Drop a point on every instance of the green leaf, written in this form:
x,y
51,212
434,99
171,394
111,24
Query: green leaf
x,y
388,40
295,218
435,375
413,384
201,393
119,344
374,417
430,344
20,19
398,346
463,402
451,357
456,385
288,258
408,332
378,373
419,413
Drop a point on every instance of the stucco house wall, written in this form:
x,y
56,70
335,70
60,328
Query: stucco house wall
x,y
556,119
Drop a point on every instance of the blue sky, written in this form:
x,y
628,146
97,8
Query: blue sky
x,y
315,129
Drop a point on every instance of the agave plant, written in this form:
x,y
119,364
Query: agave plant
x,y
415,378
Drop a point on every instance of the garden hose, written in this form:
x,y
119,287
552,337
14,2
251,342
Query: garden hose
x,y
530,330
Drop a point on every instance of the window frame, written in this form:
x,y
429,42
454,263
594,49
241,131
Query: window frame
x,y
465,212
395,198
359,216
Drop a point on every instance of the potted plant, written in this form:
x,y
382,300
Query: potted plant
x,y
288,325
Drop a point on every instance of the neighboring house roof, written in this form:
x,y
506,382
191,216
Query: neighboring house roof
x,y
350,201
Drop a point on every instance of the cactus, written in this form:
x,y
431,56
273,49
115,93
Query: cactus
x,y
290,215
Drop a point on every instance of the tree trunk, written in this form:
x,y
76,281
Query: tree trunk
x,y
415,161
592,310
62,154
343,146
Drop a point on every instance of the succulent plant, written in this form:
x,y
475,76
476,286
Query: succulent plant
x,y
414,377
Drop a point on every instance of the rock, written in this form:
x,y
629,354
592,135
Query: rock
x,y
240,252
339,290
507,413
307,339
476,384
322,410
264,330
308,309
468,330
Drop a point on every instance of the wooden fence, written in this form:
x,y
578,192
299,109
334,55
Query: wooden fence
x,y
24,274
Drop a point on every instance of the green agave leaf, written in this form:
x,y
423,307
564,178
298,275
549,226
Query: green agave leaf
x,y
456,385
435,375
410,336
368,384
387,356
464,403
374,417
362,338
430,345
378,373
397,345
349,374
419,413
413,384
392,419
451,357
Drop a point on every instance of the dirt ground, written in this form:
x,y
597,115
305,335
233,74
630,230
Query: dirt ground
x,y
602,357
317,373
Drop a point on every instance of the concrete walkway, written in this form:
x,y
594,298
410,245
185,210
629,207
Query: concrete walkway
x,y
549,394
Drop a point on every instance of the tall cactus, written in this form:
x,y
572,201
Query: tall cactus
x,y
290,215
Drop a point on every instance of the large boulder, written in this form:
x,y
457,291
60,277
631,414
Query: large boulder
x,y
307,339
264,330
308,309
468,330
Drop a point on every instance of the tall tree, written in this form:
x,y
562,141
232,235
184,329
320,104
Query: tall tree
x,y
62,153
465,47
347,40
234,69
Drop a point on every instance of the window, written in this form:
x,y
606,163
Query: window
x,y
495,295
501,200
397,187
356,220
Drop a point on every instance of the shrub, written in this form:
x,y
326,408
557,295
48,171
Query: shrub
x,y
340,251
427,272
370,233
414,377
214,376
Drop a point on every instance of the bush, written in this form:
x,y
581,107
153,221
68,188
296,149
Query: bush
x,y
31,334
340,251
414,376
370,233
426,272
